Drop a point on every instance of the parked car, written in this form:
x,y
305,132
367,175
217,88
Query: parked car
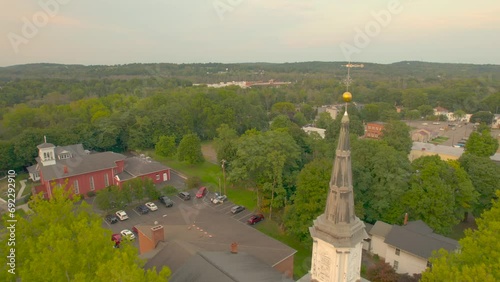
x,y
219,199
151,206
237,209
184,195
255,218
166,201
111,219
127,234
122,215
201,192
142,209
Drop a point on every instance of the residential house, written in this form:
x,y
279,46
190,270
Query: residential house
x,y
309,129
496,121
424,135
374,129
440,111
83,171
408,248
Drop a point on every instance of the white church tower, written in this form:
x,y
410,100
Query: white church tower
x,y
338,234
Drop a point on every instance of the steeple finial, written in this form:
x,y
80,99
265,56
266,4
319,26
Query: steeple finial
x,y
44,139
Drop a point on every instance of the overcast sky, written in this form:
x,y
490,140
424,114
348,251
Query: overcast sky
x,y
111,32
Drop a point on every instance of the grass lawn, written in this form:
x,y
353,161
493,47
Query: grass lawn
x,y
209,173
302,259
19,177
439,139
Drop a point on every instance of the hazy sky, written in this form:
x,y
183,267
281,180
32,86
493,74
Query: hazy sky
x,y
94,32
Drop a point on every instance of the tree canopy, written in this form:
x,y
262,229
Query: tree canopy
x,y
478,258
65,241
440,193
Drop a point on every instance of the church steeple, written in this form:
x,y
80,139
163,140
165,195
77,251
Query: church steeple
x,y
340,201
338,234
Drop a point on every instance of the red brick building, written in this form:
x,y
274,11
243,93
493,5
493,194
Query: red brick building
x,y
374,130
83,171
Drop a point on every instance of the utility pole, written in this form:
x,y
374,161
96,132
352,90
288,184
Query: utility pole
x,y
223,165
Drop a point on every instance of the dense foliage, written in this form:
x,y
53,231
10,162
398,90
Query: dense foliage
x,y
61,241
478,258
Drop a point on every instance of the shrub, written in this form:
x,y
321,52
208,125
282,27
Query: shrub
x,y
91,194
193,182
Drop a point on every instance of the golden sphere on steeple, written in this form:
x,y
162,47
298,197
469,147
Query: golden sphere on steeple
x,y
347,96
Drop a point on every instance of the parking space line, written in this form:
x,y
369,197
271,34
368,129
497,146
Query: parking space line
x,y
136,212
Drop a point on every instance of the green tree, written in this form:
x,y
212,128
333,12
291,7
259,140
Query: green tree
x,y
283,108
440,193
397,135
262,158
150,189
78,246
481,144
482,117
165,146
425,110
309,199
478,258
371,112
459,114
485,176
190,149
104,199
381,175
324,120
225,143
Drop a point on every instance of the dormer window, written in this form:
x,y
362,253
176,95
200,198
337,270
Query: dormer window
x,y
64,156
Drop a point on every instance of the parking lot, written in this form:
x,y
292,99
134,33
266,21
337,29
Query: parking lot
x,y
199,212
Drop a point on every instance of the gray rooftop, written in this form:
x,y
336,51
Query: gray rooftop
x,y
438,149
380,229
446,150
80,165
418,239
226,266
137,166
45,145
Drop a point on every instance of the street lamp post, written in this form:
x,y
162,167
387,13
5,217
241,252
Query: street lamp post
x,y
223,165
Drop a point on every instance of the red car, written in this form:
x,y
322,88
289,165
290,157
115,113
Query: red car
x,y
201,192
255,218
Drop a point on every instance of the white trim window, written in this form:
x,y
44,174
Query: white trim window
x,y
92,186
106,180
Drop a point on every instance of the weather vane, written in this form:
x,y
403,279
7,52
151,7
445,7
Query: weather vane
x,y
347,96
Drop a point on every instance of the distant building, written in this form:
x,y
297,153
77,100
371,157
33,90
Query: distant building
x,y
438,111
496,121
333,110
374,129
309,129
424,135
248,84
408,248
83,171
